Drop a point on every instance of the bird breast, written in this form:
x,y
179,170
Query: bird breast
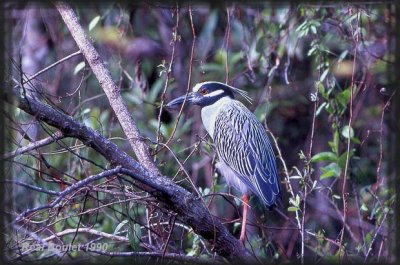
x,y
209,114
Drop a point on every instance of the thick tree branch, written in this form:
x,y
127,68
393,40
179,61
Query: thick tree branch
x,y
189,208
126,120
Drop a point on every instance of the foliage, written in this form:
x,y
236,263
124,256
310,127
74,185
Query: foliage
x,y
316,74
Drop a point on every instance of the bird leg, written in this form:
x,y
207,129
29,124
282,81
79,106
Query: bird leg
x,y
245,199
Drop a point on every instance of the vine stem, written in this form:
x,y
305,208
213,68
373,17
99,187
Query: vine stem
x,y
348,140
174,39
228,30
189,79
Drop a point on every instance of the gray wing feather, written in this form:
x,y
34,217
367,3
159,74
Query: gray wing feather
x,y
250,153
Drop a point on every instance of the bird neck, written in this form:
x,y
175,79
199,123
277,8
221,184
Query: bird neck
x,y
209,113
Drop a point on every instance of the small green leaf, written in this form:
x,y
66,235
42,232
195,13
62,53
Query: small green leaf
x,y
328,174
324,157
331,170
293,202
79,67
320,108
292,209
314,184
94,22
364,207
313,29
134,234
347,132
324,74
343,157
119,226
335,143
344,97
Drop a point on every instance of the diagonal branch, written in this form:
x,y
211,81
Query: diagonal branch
x,y
33,145
98,67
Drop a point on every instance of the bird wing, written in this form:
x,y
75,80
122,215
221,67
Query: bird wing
x,y
249,151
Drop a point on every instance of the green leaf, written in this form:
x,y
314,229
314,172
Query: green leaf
x,y
206,36
94,22
343,156
344,97
119,226
331,170
79,67
324,157
320,108
347,132
364,207
261,44
313,29
335,147
324,74
134,234
327,174
292,209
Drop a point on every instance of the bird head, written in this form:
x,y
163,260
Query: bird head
x,y
207,93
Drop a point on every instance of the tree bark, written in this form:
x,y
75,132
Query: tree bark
x,y
102,74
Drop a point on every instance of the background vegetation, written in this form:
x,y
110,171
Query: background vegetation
x,y
321,79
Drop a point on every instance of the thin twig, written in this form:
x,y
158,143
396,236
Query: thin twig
x,y
174,256
34,145
228,31
168,238
169,70
188,83
67,191
349,138
32,187
28,79
375,234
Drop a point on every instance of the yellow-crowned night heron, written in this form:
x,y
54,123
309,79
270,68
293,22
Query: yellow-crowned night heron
x,y
246,157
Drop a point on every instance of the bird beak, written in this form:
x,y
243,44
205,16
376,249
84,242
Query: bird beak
x,y
177,103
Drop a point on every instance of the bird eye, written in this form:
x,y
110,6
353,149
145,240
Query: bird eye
x,y
203,91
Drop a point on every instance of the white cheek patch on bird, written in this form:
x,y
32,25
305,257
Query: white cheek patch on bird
x,y
215,93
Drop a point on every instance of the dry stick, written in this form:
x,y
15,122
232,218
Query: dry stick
x,y
174,38
164,251
34,145
67,191
188,86
96,63
290,188
48,68
169,70
375,235
174,256
89,231
181,167
189,78
379,179
308,174
378,169
348,140
227,46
